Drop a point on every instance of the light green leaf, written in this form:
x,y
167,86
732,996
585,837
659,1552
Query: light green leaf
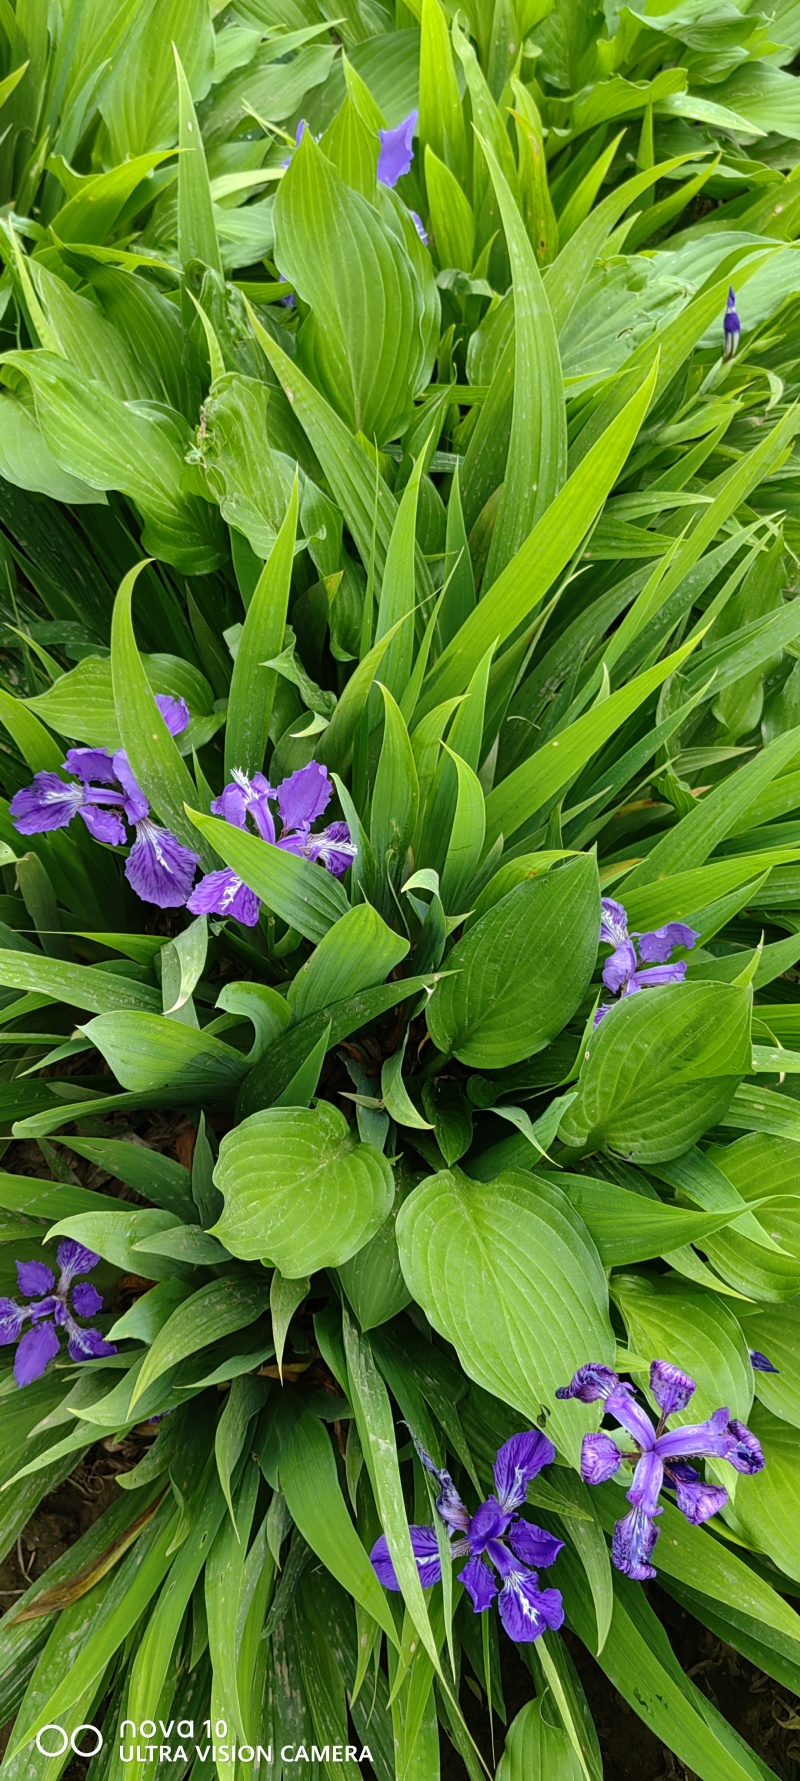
x,y
521,970
536,466
538,1749
300,1190
545,552
507,1272
217,1310
147,1052
150,748
357,953
659,1070
252,688
307,1472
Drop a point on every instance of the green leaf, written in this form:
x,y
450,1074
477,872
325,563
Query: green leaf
x,y
79,986
150,748
300,1190
271,1077
395,1095
337,741
536,466
368,506
111,444
465,843
363,335
357,953
284,1298
302,893
397,599
224,1588
395,796
217,1310
639,1662
628,1227
665,1315
659,1070
545,552
147,1052
252,690
537,1748
767,1506
713,817
159,1635
537,780
197,234
307,1472
80,704
38,748
507,1272
441,115
522,969
452,221
155,1176
373,1279
373,1413
775,1332
121,1603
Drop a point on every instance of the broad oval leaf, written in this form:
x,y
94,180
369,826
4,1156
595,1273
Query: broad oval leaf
x,y
300,1190
522,970
508,1273
659,1070
356,954
363,339
146,1051
537,1750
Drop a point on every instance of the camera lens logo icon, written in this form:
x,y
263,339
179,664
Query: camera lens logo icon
x,y
54,1740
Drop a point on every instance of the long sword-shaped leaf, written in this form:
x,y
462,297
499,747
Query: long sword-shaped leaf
x,y
253,685
537,449
537,780
546,551
159,768
368,507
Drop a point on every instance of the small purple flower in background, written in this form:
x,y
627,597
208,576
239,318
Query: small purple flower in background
x,y
300,799
622,972
397,150
759,1362
106,795
50,1311
298,137
394,159
731,327
494,1540
661,1455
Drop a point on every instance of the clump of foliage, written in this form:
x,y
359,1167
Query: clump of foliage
x,y
399,499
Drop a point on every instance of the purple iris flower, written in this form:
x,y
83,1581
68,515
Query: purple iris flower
x,y
300,799
661,1455
106,795
759,1362
622,972
731,327
298,137
397,150
50,1310
494,1540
